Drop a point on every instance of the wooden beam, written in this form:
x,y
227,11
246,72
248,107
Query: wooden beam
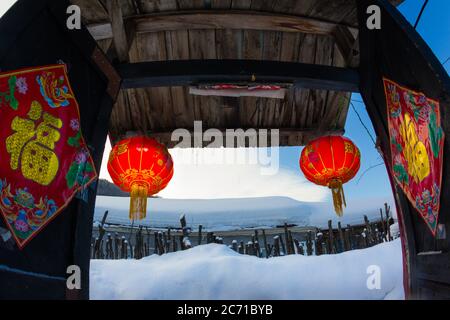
x,y
117,29
221,19
345,41
194,72
229,19
306,135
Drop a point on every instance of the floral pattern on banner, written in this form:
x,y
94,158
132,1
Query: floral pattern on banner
x,y
417,145
44,160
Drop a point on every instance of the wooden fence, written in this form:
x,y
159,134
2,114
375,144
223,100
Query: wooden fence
x,y
140,241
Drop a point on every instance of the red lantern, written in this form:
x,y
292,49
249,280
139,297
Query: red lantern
x,y
331,161
141,166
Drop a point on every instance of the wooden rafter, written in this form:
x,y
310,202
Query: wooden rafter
x,y
118,32
220,19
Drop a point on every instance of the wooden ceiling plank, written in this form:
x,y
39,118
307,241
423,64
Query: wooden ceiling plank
x,y
177,45
241,4
346,42
157,101
336,109
324,56
303,98
118,29
271,51
202,46
190,4
92,11
221,4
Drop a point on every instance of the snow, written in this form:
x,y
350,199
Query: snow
x,y
234,213
215,271
395,230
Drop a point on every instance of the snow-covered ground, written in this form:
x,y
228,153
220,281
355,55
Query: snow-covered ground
x,y
214,271
235,213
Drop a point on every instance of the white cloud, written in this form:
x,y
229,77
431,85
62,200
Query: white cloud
x,y
216,180
5,5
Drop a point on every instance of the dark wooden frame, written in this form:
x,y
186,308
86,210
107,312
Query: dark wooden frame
x,y
396,52
399,53
38,271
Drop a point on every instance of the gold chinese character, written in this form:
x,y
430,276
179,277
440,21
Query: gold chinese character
x,y
32,147
414,151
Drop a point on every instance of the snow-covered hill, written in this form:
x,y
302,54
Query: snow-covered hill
x,y
238,213
214,271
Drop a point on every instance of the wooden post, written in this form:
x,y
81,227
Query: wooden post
x,y
266,246
347,246
256,249
234,245
298,247
123,248
291,242
341,238
249,248
331,248
383,225
210,237
241,248
148,240
309,244
96,248
131,250
276,245
116,246
270,248
369,234
157,244
387,210
166,242
319,240
283,247
365,242
200,227
286,236
324,248
174,244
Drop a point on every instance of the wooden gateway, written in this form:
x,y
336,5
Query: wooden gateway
x,y
149,66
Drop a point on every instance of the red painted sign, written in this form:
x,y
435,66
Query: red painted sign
x,y
44,160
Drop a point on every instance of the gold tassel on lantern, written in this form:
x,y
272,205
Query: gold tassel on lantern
x,y
338,196
138,201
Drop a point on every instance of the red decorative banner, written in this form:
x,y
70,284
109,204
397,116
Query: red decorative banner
x,y
417,148
44,160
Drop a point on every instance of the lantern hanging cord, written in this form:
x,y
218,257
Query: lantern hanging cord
x,y
420,13
363,124
367,170
447,60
